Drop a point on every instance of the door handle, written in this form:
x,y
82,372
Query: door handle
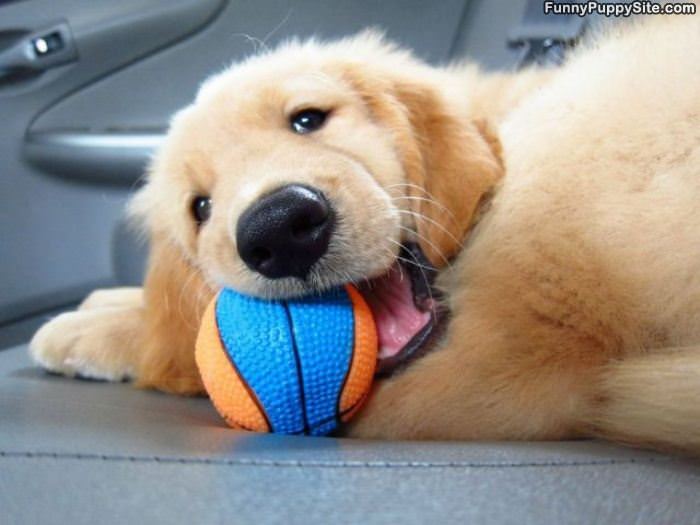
x,y
102,158
37,51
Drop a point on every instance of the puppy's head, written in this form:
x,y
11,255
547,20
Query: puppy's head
x,y
317,165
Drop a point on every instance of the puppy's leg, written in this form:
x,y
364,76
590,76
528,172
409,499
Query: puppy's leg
x,y
125,296
486,382
128,333
101,343
651,400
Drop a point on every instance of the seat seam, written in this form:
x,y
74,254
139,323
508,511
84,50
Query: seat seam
x,y
79,456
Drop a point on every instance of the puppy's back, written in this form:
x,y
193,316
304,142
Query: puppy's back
x,y
603,174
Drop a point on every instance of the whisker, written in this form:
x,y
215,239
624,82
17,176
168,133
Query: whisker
x,y
204,290
414,186
432,221
401,275
277,28
432,198
433,202
181,296
254,41
412,263
422,272
396,257
429,242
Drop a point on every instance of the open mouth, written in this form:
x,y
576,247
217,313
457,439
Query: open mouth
x,y
406,308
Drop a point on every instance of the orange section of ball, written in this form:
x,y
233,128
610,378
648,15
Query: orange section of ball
x,y
227,391
364,361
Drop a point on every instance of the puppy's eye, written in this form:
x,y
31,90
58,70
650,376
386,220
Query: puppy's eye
x,y
201,209
307,120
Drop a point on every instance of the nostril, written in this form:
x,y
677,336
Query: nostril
x,y
307,226
259,256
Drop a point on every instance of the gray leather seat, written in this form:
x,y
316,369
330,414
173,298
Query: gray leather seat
x,y
88,452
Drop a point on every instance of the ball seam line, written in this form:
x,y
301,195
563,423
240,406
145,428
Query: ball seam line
x,y
351,362
242,379
344,412
297,362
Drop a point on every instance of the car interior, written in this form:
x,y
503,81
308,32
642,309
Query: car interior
x,y
81,116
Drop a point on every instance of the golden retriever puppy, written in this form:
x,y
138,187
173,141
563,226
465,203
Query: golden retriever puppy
x,y
529,243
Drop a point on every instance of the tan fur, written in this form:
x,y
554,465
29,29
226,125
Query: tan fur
x,y
576,280
176,296
101,339
651,400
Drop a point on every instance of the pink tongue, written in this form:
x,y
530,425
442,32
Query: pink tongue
x,y
396,316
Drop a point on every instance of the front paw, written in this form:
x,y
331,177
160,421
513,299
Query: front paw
x,y
96,344
113,298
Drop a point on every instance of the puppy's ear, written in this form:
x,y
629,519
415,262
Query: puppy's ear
x,y
450,163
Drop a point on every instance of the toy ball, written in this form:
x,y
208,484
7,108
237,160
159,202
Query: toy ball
x,y
292,367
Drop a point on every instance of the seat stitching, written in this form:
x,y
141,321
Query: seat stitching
x,y
9,454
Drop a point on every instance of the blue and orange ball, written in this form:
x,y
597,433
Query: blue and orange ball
x,y
293,367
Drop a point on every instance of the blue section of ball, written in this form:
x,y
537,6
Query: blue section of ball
x,y
294,355
323,329
258,339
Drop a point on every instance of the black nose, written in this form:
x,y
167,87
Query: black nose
x,y
285,232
